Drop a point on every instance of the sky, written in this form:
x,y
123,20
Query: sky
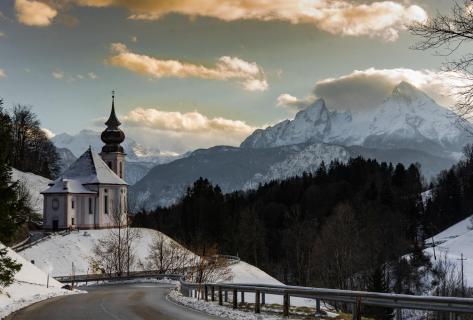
x,y
192,74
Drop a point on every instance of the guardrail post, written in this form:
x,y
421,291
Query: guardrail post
x,y
206,293
263,298
226,295
235,298
286,303
212,291
220,302
398,314
317,307
356,313
243,297
257,305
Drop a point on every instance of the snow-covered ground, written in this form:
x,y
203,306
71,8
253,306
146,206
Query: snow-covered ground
x,y
57,254
243,272
35,184
30,286
453,242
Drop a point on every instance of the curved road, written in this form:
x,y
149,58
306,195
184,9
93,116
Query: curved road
x,y
115,302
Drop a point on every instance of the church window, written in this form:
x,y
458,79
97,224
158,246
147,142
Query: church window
x,y
72,203
121,170
55,204
90,205
72,221
105,204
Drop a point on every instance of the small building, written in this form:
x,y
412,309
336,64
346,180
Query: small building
x,y
91,193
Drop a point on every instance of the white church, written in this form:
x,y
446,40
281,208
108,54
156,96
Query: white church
x,y
91,193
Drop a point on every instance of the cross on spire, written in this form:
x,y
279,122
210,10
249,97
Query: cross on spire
x,y
112,121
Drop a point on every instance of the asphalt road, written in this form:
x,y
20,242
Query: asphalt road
x,y
117,302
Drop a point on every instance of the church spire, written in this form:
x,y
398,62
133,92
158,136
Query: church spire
x,y
112,136
113,121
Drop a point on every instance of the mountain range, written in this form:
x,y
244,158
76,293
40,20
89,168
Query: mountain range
x,y
139,159
408,127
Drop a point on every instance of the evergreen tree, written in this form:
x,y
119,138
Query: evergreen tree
x,y
8,268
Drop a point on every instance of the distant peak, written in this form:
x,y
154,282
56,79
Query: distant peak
x,y
408,92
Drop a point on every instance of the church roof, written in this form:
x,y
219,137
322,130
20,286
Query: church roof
x,y
68,186
91,169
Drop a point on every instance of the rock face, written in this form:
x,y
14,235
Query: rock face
x,y
406,119
408,127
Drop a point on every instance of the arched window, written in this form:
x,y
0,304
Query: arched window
x,y
121,170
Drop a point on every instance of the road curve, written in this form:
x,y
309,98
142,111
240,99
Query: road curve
x,y
115,302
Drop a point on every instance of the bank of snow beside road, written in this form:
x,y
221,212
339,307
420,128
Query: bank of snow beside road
x,y
30,286
57,254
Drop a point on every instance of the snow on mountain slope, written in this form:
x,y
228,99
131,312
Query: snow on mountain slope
x,y
406,119
30,286
453,242
56,254
34,184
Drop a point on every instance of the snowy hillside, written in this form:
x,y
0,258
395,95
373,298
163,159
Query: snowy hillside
x,y
30,286
453,242
406,119
57,254
34,184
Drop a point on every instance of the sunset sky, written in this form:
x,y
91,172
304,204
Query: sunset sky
x,y
192,74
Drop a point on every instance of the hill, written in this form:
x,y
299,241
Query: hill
x,y
30,286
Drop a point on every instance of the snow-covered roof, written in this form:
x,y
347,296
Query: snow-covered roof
x,y
68,186
91,169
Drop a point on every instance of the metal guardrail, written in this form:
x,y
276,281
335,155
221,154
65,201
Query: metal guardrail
x,y
223,291
356,299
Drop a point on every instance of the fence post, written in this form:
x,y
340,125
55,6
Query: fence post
x,y
257,305
286,304
452,316
212,291
356,314
317,307
263,298
206,293
235,298
398,314
220,302
243,297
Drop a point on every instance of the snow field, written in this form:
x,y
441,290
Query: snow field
x,y
30,286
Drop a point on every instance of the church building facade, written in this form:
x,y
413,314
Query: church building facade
x,y
92,192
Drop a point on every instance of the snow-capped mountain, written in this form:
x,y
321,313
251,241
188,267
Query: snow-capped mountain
x,y
80,142
408,118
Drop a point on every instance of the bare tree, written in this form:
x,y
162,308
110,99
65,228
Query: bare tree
x,y
168,256
115,253
449,33
208,267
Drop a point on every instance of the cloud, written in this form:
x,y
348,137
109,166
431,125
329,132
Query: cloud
x,y
292,103
34,13
48,133
182,131
367,89
58,74
248,74
2,74
2,34
92,76
341,17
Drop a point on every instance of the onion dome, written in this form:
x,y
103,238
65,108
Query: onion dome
x,y
112,136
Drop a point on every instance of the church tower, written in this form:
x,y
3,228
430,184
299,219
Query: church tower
x,y
112,152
